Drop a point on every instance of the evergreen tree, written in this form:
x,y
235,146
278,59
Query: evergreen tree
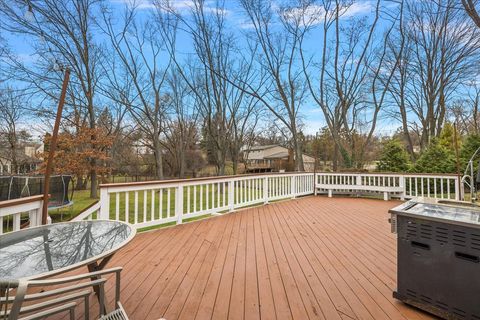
x,y
447,137
394,158
436,159
470,144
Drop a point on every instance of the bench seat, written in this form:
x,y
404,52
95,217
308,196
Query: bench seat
x,y
351,188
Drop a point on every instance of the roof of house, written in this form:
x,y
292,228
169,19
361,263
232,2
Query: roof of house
x,y
257,148
278,155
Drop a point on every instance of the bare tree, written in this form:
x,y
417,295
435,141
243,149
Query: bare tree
x,y
138,76
466,111
349,79
280,86
11,114
439,57
470,7
224,108
181,132
62,35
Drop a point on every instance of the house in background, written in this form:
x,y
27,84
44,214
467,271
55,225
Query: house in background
x,y
273,157
28,159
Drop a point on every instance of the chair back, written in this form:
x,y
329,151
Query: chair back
x,y
57,295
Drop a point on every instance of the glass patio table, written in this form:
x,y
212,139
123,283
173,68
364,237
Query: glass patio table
x,y
40,252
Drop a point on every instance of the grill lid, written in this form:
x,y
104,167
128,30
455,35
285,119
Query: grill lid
x,y
453,213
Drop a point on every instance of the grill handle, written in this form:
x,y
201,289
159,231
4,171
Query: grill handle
x,y
420,245
467,257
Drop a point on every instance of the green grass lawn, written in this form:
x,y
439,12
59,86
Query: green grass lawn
x,y
81,200
198,202
197,199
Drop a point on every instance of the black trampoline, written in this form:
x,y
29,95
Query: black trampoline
x,y
14,187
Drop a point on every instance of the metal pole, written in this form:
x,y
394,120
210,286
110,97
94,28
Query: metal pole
x,y
457,159
53,146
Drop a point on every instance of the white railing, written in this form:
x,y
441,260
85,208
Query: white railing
x,y
433,186
153,203
14,213
405,186
90,213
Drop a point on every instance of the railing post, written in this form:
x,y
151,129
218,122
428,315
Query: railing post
x,y
35,217
401,181
358,180
293,186
231,195
16,221
457,188
179,204
104,204
265,190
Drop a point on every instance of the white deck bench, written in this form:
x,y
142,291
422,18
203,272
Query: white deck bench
x,y
359,189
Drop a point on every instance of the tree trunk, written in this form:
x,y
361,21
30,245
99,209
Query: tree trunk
x,y
298,156
182,164
235,162
220,163
79,185
158,158
93,180
235,166
335,158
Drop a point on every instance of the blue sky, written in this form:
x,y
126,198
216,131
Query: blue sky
x,y
311,115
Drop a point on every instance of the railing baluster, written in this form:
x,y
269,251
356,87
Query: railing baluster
x,y
236,192
169,204
448,188
207,196
218,194
201,198
152,211
117,206
188,199
136,207
179,203
195,198
145,198
160,205
231,192
126,206
224,191
441,188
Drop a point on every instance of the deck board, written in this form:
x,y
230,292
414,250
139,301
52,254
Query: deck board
x,y
307,258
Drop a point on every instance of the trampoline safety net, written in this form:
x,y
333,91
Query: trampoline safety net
x,y
14,187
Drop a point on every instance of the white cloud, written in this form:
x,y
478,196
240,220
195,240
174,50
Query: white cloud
x,y
140,4
28,57
359,8
315,14
179,5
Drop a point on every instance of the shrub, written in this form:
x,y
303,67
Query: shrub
x,y
393,157
469,146
435,159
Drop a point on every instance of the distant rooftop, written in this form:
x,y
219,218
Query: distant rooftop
x,y
278,155
256,148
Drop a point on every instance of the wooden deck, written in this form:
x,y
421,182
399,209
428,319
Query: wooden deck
x,y
310,258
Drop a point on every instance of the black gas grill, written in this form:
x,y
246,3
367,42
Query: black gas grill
x,y
438,258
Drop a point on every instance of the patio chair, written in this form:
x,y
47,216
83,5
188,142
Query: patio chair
x,y
17,303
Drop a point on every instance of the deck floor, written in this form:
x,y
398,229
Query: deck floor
x,y
309,258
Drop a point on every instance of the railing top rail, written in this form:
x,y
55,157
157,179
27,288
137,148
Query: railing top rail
x,y
86,212
20,201
391,174
173,181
